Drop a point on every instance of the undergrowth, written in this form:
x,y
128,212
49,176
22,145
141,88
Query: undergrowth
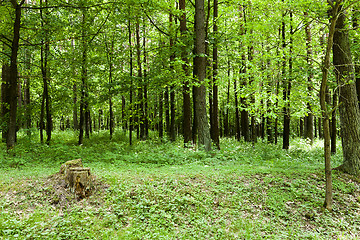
x,y
156,189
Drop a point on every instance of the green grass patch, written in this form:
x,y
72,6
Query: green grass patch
x,y
160,190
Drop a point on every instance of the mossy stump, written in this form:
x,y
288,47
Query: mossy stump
x,y
77,178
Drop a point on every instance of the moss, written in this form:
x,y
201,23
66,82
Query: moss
x,y
69,164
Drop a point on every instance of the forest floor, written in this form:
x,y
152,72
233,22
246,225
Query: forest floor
x,y
160,190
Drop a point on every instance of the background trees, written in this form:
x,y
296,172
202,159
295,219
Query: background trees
x,y
126,66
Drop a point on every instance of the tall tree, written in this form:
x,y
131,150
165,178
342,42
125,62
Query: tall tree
x,y
186,88
45,71
215,131
13,76
348,102
200,72
309,119
325,112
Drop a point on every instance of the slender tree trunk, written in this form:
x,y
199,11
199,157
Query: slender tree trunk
x,y
245,131
309,119
27,93
287,86
161,120
215,105
83,99
200,72
131,85
325,112
5,100
237,114
194,128
167,111
172,132
141,88
333,123
146,117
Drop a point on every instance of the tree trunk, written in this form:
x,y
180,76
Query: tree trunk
x,y
333,123
204,139
13,78
141,87
186,88
309,119
287,86
5,101
348,102
324,110
131,85
167,111
161,120
215,101
172,132
237,114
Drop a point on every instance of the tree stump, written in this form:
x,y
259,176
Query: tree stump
x,y
70,164
79,181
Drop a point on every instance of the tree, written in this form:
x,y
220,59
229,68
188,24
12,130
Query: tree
x,y
348,102
200,73
13,76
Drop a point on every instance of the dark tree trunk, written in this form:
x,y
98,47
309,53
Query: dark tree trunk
x,y
141,87
83,99
226,117
245,131
27,93
204,139
75,111
172,109
146,116
320,132
167,111
237,114
5,101
186,88
123,113
355,19
194,128
131,85
287,86
215,101
172,132
109,55
348,101
309,119
161,120
333,123
13,78
301,127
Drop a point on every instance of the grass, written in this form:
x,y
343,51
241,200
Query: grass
x,y
160,190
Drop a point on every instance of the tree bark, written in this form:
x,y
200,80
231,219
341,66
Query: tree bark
x,y
5,101
186,87
215,101
348,102
309,119
13,77
333,123
141,87
204,139
172,132
131,84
